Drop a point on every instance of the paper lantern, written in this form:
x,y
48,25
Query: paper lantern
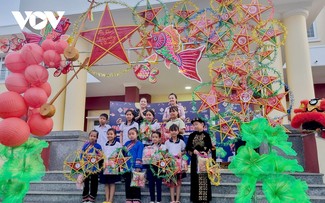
x,y
13,132
12,104
16,82
51,58
48,44
32,54
35,97
40,125
15,63
36,75
60,45
47,88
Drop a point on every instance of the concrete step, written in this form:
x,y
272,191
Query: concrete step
x,y
226,177
223,188
75,197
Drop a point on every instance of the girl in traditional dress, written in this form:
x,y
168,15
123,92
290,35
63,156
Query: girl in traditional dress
x,y
110,179
199,143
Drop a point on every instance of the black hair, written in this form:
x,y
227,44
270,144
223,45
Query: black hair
x,y
174,96
174,108
158,133
174,127
104,115
135,129
133,119
151,111
111,129
97,133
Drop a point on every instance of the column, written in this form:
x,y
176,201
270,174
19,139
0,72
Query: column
x,y
131,92
298,66
75,100
56,84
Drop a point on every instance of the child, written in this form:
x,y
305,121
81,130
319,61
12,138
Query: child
x,y
174,119
154,180
199,142
176,147
91,147
135,149
102,129
148,126
128,124
109,180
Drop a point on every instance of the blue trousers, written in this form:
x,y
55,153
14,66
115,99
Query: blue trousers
x,y
154,180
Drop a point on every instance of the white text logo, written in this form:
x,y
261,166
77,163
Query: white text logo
x,y
46,16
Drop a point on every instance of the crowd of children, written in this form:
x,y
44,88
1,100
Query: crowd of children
x,y
138,138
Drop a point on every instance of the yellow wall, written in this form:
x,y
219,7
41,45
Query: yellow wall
x,y
321,152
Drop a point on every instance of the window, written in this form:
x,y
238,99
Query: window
x,y
4,72
311,32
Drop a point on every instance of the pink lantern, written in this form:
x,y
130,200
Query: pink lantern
x,y
15,63
60,45
35,97
51,58
12,104
32,53
16,82
48,44
13,132
36,75
47,88
40,125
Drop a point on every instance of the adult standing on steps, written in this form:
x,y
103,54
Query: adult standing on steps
x,y
173,102
199,144
139,113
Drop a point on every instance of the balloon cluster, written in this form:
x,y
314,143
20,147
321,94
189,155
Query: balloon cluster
x,y
28,90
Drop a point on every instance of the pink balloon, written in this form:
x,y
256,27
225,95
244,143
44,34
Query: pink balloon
x,y
13,132
36,75
51,58
15,63
47,88
60,45
32,53
16,82
48,44
12,104
40,125
35,97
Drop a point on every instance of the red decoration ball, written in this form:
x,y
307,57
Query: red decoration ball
x,y
48,44
16,82
60,45
13,132
51,58
32,53
12,104
47,88
40,125
36,75
15,63
35,97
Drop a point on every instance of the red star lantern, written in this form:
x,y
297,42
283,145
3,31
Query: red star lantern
x,y
150,14
238,65
209,100
203,23
253,11
242,41
225,127
274,103
245,98
107,38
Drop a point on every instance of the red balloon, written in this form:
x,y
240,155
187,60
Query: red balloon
x,y
48,44
35,97
15,63
51,58
12,104
40,125
36,75
32,53
47,88
60,45
16,82
13,132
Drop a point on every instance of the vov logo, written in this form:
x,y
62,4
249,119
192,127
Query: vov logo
x,y
31,16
